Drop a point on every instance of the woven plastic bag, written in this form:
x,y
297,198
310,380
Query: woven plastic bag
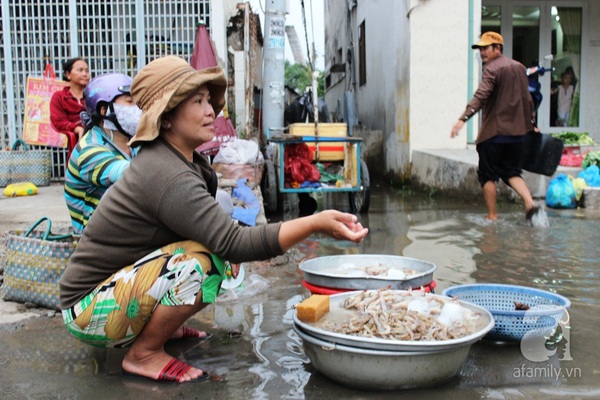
x,y
25,165
35,261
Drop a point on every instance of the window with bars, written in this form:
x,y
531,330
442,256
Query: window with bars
x,y
111,35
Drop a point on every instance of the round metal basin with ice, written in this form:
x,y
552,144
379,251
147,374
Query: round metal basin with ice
x,y
484,324
328,272
370,369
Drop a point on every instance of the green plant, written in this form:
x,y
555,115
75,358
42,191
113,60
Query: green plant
x,y
406,191
574,138
431,191
591,158
299,77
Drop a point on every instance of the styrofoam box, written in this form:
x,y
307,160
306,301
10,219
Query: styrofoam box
x,y
328,151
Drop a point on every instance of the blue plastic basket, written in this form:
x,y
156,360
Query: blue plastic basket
x,y
546,308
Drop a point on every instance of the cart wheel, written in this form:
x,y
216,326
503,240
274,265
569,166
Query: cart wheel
x,y
269,187
306,205
360,200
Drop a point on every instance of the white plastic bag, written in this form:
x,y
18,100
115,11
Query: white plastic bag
x,y
252,286
239,151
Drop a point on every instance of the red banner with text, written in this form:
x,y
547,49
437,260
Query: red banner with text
x,y
37,127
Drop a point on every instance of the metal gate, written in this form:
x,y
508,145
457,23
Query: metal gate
x,y
112,35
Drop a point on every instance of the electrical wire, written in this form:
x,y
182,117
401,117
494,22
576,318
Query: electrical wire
x,y
312,27
310,61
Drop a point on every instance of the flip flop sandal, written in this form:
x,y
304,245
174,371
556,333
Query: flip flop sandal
x,y
171,373
531,212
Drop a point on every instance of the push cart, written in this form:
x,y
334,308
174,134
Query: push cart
x,y
338,149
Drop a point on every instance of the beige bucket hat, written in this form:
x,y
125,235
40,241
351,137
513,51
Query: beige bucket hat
x,y
165,82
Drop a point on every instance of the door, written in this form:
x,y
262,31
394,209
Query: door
x,y
547,34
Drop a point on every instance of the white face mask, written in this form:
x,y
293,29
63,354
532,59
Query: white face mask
x,y
128,117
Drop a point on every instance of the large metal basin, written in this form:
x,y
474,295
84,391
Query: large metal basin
x,y
379,369
317,271
337,312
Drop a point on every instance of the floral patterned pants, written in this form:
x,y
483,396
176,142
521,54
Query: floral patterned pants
x,y
116,311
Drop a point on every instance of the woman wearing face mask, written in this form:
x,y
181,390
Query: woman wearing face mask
x,y
102,153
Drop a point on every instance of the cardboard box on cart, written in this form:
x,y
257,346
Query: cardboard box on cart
x,y
328,151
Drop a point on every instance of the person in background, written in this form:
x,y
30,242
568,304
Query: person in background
x,y
574,80
565,99
508,115
68,103
152,255
102,153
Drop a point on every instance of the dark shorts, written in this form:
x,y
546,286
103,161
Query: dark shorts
x,y
499,161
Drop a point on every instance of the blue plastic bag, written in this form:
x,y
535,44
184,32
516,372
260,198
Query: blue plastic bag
x,y
247,214
561,193
591,175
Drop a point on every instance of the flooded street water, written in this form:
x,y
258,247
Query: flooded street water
x,y
41,361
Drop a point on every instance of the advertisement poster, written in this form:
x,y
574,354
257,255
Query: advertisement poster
x,y
37,127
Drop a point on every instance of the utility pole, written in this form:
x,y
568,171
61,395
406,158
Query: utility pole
x,y
273,99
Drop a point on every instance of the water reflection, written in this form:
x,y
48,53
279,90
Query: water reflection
x,y
561,257
268,360
454,252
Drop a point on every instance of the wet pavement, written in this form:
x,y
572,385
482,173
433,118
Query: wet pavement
x,y
39,360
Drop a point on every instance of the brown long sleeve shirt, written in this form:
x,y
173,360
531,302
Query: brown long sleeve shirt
x,y
503,96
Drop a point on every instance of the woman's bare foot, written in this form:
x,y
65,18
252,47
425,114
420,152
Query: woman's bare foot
x,y
185,332
160,366
491,217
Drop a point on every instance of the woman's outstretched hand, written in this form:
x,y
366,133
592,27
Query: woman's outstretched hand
x,y
338,225
341,226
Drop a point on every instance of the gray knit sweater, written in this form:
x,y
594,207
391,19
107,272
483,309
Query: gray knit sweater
x,y
161,199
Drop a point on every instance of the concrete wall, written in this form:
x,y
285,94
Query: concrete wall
x,y
416,74
439,55
454,173
421,71
336,53
382,103
220,13
371,150
590,117
239,72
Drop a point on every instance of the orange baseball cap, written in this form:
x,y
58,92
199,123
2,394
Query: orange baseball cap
x,y
487,39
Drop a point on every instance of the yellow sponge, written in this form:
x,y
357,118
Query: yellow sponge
x,y
313,308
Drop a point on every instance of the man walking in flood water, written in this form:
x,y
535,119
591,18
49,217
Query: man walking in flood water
x,y
508,114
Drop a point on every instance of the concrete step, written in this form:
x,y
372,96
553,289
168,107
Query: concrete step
x,y
453,172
